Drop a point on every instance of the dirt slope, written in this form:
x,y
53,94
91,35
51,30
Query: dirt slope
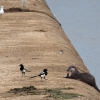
x,y
36,39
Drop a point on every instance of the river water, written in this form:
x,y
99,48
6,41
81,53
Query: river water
x,y
80,20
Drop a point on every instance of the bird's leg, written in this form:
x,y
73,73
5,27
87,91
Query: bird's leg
x,y
45,78
41,79
23,73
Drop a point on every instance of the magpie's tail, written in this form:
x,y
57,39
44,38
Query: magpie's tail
x,y
34,76
28,71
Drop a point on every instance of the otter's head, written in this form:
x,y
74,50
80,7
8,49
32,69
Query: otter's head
x,y
71,69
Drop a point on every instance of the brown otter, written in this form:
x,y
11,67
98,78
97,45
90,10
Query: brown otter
x,y
84,77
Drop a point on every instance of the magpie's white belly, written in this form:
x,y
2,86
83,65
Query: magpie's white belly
x,y
43,75
24,70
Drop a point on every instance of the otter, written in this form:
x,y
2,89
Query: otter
x,y
84,77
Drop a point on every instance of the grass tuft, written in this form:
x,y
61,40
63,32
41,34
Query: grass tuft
x,y
54,93
57,93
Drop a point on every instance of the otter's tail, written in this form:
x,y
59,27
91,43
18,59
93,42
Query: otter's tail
x,y
97,89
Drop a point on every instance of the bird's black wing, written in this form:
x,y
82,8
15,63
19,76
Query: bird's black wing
x,y
41,73
21,67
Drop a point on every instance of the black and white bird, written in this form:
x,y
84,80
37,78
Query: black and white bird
x,y
42,75
1,10
22,69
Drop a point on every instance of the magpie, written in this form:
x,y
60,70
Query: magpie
x,y
42,75
22,69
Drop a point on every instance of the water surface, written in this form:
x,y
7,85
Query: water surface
x,y
80,20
